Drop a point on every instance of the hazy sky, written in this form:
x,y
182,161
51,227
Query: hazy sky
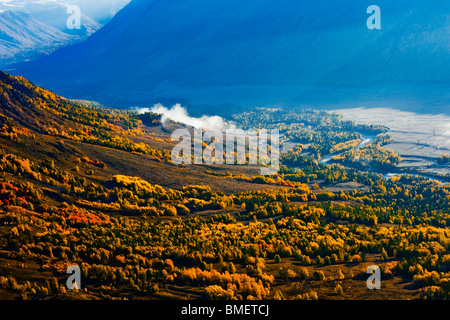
x,y
65,1
107,5
99,10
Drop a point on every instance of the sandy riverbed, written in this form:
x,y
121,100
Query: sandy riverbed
x,y
419,138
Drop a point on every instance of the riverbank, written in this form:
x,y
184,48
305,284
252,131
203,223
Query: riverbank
x,y
420,139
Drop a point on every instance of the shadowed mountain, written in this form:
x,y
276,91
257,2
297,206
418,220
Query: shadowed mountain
x,y
259,53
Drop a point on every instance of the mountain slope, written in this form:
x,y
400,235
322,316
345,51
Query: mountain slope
x,y
258,52
39,125
29,26
55,15
100,11
22,36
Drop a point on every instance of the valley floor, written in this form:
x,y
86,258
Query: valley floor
x,y
420,139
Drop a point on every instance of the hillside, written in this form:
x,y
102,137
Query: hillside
x,y
55,15
30,29
54,12
96,187
313,53
23,37
66,131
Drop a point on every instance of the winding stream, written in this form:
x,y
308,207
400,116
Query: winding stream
x,y
365,141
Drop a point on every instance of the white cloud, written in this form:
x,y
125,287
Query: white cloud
x,y
179,114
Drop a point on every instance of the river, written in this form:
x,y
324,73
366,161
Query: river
x,y
365,141
389,175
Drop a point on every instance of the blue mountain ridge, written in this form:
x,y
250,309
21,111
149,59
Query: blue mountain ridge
x,y
264,52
